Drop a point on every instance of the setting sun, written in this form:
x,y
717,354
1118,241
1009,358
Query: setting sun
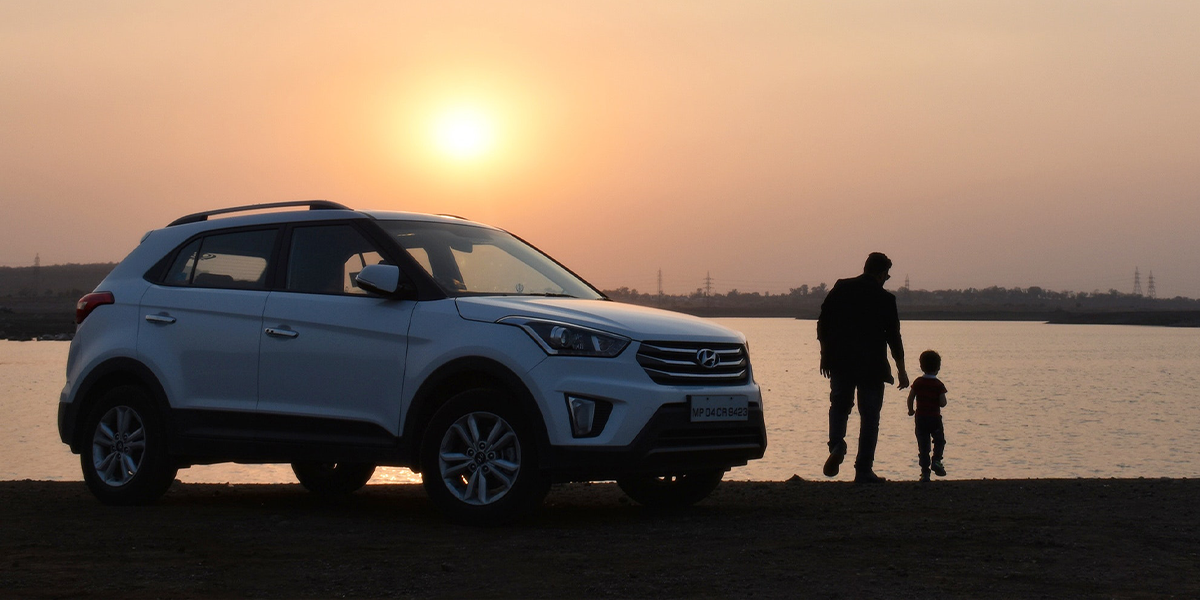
x,y
463,133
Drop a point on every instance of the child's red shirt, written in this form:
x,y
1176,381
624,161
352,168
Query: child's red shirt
x,y
929,396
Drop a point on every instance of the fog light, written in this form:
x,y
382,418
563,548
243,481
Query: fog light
x,y
583,415
588,415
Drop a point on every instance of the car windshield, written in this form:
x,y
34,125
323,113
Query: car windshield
x,y
471,260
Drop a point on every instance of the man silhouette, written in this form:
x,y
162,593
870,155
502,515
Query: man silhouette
x,y
858,323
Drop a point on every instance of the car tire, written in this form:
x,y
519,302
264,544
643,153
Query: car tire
x,y
670,491
126,461
479,459
333,478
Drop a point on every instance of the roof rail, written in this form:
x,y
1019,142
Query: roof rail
x,y
311,204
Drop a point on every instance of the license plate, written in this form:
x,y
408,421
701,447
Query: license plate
x,y
720,408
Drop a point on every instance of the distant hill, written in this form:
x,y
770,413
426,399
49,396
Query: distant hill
x,y
52,280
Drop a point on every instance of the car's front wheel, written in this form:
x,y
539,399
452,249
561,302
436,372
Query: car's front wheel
x,y
333,478
126,459
670,490
479,459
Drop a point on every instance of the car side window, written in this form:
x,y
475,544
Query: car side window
x,y
422,258
184,266
235,260
324,259
226,260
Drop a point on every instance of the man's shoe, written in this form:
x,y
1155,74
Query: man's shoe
x,y
834,462
924,475
868,477
938,469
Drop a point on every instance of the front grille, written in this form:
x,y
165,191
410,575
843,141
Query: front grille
x,y
679,363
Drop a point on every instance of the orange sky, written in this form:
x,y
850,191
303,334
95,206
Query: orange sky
x,y
772,144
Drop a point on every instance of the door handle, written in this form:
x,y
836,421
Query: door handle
x,y
286,333
163,319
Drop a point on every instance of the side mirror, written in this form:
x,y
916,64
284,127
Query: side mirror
x,y
386,281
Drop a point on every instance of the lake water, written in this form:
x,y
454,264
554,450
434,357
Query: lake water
x,y
1026,400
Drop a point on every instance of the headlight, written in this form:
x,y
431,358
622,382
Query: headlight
x,y
565,339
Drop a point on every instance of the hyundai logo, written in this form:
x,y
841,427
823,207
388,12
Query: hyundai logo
x,y
708,358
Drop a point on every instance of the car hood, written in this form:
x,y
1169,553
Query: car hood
x,y
639,323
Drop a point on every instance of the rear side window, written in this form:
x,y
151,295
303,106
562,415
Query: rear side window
x,y
184,265
228,260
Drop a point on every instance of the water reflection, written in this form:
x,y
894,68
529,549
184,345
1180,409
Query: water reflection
x,y
1027,400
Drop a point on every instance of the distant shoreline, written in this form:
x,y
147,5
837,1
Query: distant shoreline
x,y
39,303
52,317
1166,318
1157,318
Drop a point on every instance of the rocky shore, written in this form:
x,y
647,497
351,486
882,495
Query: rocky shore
x,y
799,539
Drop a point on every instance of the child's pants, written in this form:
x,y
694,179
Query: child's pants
x,y
929,427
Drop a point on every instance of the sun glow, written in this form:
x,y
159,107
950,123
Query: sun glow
x,y
463,133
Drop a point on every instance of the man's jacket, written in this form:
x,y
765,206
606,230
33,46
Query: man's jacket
x,y
858,322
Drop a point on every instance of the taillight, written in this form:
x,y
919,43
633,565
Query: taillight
x,y
88,303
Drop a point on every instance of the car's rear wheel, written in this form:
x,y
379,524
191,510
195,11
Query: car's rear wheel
x,y
670,490
333,478
479,459
126,459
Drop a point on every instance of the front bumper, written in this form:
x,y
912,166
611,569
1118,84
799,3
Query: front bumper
x,y
620,381
669,444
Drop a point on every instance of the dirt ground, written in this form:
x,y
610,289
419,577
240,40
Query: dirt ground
x,y
800,539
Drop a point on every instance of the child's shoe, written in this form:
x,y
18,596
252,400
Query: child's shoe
x,y
938,469
925,475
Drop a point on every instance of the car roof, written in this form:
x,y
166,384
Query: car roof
x,y
189,225
158,242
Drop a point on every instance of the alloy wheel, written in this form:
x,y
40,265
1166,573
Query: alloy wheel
x,y
479,458
118,445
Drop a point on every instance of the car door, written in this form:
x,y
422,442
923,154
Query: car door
x,y
199,328
332,357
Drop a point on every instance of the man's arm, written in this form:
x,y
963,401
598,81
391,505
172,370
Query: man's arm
x,y
895,343
826,323
822,339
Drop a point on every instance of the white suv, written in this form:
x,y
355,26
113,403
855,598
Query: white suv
x,y
337,340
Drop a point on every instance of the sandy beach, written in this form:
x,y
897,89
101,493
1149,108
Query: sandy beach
x,y
1115,538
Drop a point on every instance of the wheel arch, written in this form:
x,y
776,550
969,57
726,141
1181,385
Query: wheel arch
x,y
106,376
458,376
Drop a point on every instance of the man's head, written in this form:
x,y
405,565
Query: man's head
x,y
878,265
